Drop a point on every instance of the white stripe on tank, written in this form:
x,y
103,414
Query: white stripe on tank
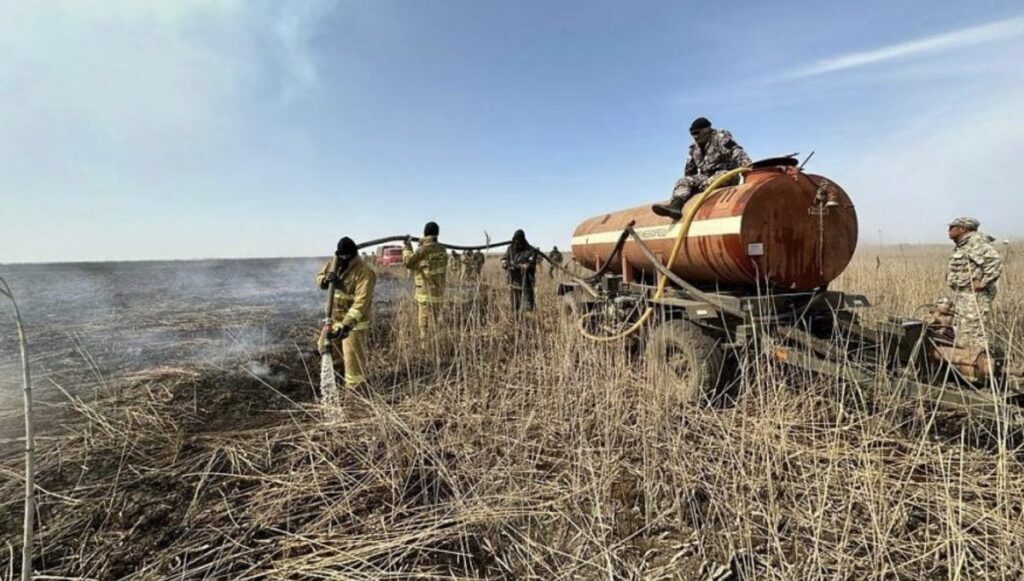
x,y
698,228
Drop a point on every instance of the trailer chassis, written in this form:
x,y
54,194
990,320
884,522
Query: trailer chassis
x,y
819,332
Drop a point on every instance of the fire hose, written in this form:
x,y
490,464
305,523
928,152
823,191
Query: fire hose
x,y
327,383
386,239
663,279
663,270
585,284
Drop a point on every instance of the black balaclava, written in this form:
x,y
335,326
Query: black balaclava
x,y
700,123
431,229
519,241
346,251
699,130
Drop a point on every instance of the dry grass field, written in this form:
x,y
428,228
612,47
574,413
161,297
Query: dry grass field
x,y
514,449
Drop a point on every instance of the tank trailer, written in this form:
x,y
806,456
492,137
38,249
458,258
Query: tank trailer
x,y
746,272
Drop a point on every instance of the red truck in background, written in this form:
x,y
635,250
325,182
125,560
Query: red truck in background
x,y
388,255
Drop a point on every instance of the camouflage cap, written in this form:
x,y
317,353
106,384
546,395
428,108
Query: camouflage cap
x,y
965,222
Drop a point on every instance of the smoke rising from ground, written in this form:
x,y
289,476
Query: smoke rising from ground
x,y
89,323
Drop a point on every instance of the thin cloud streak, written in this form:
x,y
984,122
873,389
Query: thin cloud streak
x,y
972,36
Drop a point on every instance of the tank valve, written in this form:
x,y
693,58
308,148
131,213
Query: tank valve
x,y
826,195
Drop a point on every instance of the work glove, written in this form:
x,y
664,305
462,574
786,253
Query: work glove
x,y
332,277
340,333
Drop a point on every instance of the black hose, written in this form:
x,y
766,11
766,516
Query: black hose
x,y
386,239
615,252
693,291
586,284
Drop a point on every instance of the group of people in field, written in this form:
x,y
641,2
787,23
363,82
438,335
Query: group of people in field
x,y
354,282
468,265
973,271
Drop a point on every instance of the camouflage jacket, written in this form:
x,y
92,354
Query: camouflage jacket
x,y
429,264
556,256
353,294
719,155
974,259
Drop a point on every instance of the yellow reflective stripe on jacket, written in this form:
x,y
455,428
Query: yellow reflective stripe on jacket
x,y
342,295
360,326
354,318
355,323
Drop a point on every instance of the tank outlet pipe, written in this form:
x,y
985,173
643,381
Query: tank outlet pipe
x,y
691,290
663,280
615,253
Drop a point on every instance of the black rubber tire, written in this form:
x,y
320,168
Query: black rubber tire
x,y
692,361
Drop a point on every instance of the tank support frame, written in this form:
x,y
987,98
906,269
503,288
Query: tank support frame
x,y
819,332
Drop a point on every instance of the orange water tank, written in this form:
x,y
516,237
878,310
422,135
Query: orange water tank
x,y
780,228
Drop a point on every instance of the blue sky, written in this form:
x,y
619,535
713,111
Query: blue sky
x,y
135,130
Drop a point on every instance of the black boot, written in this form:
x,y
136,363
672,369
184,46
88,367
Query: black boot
x,y
673,209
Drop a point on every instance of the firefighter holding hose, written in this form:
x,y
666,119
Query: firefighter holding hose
x,y
353,282
429,265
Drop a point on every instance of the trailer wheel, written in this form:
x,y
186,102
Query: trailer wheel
x,y
683,356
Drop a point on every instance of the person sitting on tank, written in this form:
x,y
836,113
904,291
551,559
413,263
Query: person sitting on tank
x,y
713,153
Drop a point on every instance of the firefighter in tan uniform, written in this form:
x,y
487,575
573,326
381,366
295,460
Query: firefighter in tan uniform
x,y
429,264
353,305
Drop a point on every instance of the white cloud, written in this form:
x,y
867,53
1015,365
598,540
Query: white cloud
x,y
966,37
941,137
144,75
118,114
910,182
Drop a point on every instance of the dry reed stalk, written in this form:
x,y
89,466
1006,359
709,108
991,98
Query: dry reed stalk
x,y
510,448
28,527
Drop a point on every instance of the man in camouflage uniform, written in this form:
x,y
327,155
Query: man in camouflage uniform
x,y
974,269
455,263
429,265
354,282
473,263
712,153
556,257
478,263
